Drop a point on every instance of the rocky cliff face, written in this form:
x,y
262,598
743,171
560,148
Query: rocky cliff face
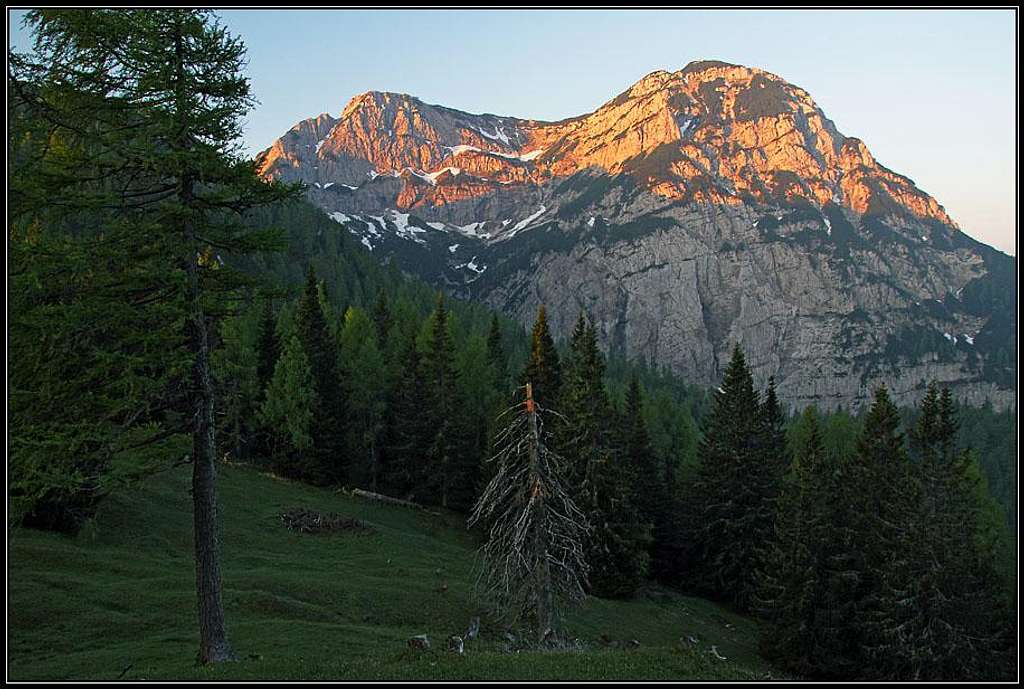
x,y
713,205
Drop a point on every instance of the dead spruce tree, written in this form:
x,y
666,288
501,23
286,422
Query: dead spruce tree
x,y
533,563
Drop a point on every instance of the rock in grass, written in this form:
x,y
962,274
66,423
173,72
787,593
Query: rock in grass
x,y
420,642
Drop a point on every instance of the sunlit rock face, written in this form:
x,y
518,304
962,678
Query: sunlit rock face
x,y
697,209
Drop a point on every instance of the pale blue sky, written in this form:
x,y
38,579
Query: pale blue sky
x,y
931,92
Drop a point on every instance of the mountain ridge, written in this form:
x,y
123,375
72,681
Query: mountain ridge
x,y
652,210
662,108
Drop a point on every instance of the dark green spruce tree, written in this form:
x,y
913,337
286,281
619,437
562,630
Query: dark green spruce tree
x,y
793,592
884,532
731,501
406,430
602,481
328,429
653,482
268,346
268,351
773,440
961,623
382,318
451,469
496,356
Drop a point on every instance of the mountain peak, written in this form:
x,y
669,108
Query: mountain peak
x,y
701,65
713,132
657,79
377,99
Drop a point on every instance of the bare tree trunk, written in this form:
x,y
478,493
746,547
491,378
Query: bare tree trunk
x,y
543,587
213,641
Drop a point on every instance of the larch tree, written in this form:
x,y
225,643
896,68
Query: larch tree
x,y
268,351
235,364
288,408
363,367
482,398
152,102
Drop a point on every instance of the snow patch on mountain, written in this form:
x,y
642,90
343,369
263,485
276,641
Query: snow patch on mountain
x,y
404,230
432,176
473,266
498,135
524,157
525,222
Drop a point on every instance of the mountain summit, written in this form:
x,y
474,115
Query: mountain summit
x,y
698,208
711,132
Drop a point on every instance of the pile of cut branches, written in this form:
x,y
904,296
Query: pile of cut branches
x,y
310,521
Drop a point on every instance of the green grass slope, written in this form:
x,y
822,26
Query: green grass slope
x,y
117,601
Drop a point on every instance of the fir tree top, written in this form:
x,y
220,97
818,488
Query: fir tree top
x,y
543,370
880,439
736,404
